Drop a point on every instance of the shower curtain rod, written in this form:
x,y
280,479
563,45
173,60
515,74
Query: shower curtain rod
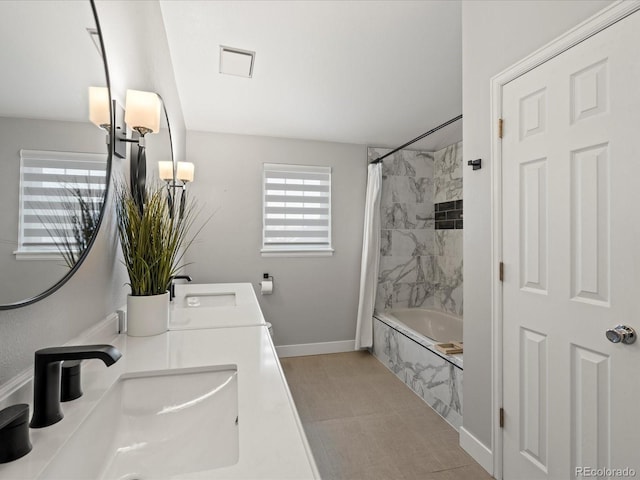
x,y
426,134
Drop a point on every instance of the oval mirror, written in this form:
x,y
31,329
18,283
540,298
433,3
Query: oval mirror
x,y
54,163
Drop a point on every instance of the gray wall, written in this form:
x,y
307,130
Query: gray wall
x,y
315,299
138,56
495,34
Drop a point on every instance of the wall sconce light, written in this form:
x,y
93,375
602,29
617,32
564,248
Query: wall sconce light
x,y
100,116
99,113
185,172
166,171
183,175
142,112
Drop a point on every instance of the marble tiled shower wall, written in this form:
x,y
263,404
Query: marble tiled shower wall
x,y
407,236
419,267
447,179
447,174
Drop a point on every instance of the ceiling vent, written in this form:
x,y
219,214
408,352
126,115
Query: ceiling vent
x,y
234,61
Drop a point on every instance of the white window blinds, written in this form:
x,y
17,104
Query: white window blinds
x,y
51,184
297,208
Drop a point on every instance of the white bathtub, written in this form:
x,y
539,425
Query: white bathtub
x,y
438,326
404,341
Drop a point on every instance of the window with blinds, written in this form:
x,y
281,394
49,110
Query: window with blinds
x,y
296,209
53,186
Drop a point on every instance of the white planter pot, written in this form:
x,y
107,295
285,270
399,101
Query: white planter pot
x,y
147,315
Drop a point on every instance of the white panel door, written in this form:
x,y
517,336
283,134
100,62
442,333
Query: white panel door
x,y
571,249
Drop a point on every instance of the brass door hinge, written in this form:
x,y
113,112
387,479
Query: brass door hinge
x,y
501,417
501,272
500,127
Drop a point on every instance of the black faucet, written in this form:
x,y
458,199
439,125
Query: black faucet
x,y
46,378
172,288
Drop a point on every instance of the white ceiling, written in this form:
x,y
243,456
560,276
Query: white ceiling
x,y
370,72
48,60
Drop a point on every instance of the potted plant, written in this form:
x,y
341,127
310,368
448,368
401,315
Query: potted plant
x,y
153,244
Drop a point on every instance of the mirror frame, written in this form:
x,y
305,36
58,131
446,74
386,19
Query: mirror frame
x,y
85,253
166,116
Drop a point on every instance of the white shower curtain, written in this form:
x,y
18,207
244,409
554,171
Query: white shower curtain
x,y
370,258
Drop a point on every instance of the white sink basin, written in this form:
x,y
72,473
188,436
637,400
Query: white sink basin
x,y
214,305
156,425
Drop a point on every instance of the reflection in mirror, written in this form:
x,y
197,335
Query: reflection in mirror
x,y
61,195
176,175
159,146
54,162
160,155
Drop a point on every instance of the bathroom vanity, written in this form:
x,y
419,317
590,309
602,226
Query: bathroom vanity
x,y
194,403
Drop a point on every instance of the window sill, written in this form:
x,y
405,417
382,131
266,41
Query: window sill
x,y
37,255
293,252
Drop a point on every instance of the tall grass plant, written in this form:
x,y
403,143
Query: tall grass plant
x,y
153,241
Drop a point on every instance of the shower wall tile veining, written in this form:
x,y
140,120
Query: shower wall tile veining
x,y
407,223
447,179
419,265
447,174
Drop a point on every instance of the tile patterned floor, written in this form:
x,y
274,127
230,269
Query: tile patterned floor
x,y
364,423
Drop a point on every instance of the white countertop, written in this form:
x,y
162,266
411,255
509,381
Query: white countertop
x,y
272,443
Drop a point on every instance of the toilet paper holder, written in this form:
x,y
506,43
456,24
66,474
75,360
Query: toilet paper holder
x,y
267,279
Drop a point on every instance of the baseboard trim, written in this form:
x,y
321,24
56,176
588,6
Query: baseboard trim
x,y
305,349
477,450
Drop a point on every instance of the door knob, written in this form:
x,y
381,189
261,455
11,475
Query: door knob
x,y
621,334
